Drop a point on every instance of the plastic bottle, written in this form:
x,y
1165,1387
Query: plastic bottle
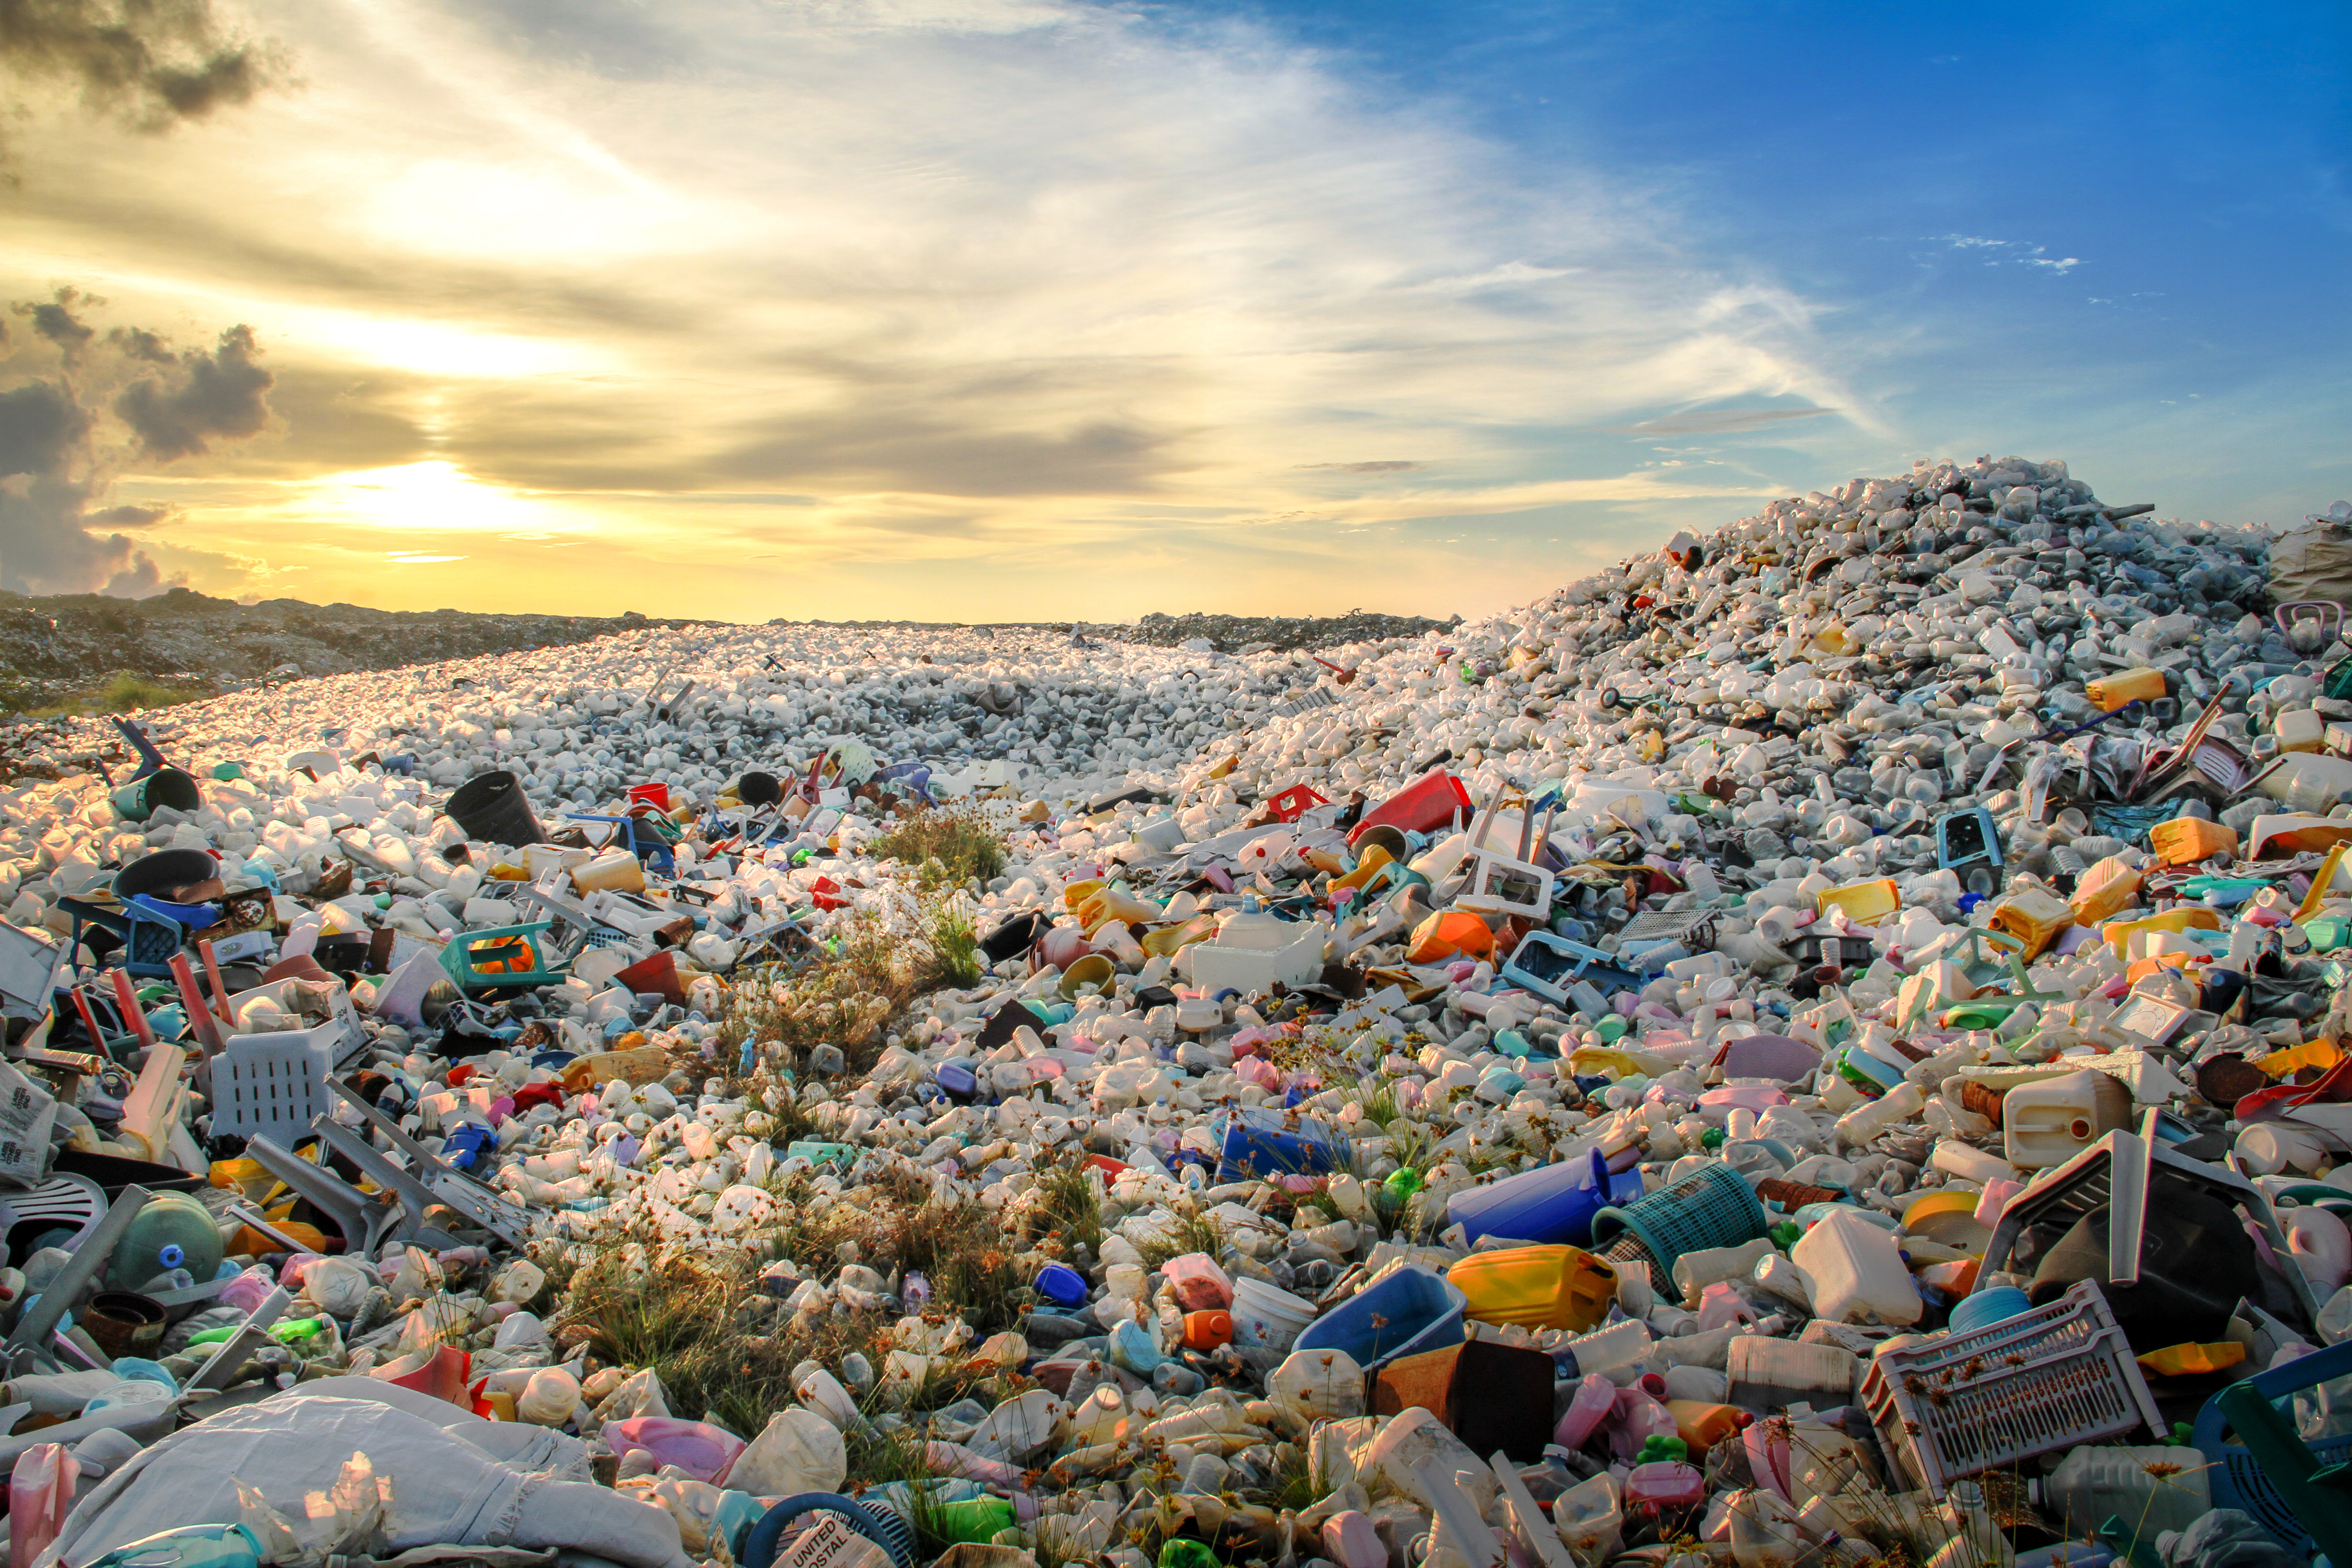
x,y
1605,1350
172,1230
1855,1271
1639,1417
40,1495
1865,1123
1764,1530
1594,1399
2150,1488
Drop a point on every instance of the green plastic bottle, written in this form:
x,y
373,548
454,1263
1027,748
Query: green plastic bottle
x,y
976,1520
1183,1552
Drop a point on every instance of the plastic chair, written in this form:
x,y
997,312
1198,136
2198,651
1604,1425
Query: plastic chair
x,y
2294,1490
2123,1172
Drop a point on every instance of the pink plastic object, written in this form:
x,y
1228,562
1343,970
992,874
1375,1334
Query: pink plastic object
x,y
1063,946
248,1290
1349,1540
1200,1285
1259,1071
1997,1193
1639,1418
1718,1104
1663,1484
1767,1445
1721,1307
40,1495
1594,1399
702,1451
444,1377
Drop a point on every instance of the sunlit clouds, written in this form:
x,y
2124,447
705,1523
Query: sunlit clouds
x,y
958,310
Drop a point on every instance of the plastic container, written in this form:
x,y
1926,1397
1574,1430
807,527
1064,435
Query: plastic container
x,y
2308,783
1994,1304
1865,903
2108,885
1198,1284
614,871
1432,801
701,1450
2186,840
1535,1286
1062,1285
1854,1271
273,1084
1588,1407
1256,1144
143,797
40,1495
1701,1425
1989,1398
172,1230
2150,1488
1713,1206
1606,1350
2033,917
2112,692
1549,1204
1665,1484
1768,1374
1205,1330
1405,1311
1267,1318
493,808
2049,1121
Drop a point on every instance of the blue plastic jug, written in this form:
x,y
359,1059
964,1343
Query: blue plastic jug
x,y
1551,1206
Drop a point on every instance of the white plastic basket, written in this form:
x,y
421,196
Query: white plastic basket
x,y
274,1083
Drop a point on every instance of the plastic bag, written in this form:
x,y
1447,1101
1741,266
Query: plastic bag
x,y
797,1451
40,1495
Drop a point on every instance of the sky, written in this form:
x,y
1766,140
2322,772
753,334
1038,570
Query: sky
x,y
999,310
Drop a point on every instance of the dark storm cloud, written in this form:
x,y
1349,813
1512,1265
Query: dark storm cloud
x,y
152,63
60,452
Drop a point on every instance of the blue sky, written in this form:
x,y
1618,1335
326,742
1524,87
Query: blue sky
x,y
999,309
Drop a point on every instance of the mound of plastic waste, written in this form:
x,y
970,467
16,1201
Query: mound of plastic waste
x,y
1824,1043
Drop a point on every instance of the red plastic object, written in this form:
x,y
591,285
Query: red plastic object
x,y
1430,802
447,1376
654,795
1105,1164
1294,803
827,892
654,975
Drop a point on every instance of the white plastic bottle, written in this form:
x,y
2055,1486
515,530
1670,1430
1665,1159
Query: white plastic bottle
x,y
1859,1126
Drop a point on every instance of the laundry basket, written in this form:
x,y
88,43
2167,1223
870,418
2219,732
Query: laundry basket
x,y
273,1083
1713,1206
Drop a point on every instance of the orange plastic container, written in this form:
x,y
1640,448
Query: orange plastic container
x,y
2105,888
1450,933
2033,917
1207,1331
1701,1425
1535,1286
2186,840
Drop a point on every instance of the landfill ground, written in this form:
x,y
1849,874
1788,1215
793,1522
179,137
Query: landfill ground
x,y
1820,1045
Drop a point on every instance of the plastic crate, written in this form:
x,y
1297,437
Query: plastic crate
x,y
1960,1403
1713,1206
2237,1477
273,1084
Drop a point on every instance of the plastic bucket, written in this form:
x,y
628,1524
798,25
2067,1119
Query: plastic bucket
x,y
1431,801
143,797
1258,1145
1404,1312
124,1322
1266,1317
163,871
493,808
756,788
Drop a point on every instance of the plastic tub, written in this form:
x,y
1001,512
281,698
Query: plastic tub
x,y
1552,1204
1266,1317
1535,1286
1403,1313
493,808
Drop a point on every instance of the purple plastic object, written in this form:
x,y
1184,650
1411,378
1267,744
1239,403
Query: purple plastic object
x,y
1776,1056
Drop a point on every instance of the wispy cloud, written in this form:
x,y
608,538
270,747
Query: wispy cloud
x,y
2013,252
854,286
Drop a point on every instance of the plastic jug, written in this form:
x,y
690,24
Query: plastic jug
x,y
2150,1488
2049,1121
1665,1484
2114,692
1551,1203
1594,1399
1638,1418
1200,1285
1701,1425
172,1230
2108,887
2033,917
1854,1271
1535,1286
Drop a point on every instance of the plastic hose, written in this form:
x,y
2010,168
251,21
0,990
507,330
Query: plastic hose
x,y
886,1531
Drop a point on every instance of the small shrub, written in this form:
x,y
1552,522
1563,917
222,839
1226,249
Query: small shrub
x,y
946,844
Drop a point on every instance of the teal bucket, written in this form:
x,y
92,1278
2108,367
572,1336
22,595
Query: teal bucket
x,y
143,797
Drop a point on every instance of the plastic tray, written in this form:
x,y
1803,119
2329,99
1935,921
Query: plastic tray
x,y
1961,1404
